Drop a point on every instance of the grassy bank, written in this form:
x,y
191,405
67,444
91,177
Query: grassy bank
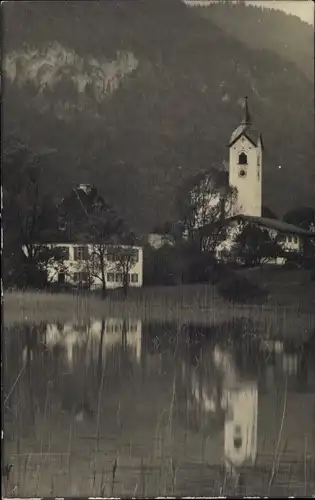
x,y
194,304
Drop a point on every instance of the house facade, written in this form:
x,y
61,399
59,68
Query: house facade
x,y
290,237
80,266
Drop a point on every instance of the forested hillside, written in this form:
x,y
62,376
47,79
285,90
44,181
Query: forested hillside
x,y
266,29
147,94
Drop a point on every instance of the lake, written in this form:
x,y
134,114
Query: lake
x,y
124,407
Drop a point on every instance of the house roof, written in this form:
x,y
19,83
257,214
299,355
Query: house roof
x,y
276,224
85,243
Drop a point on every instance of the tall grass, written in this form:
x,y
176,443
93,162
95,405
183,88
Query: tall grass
x,y
201,309
183,308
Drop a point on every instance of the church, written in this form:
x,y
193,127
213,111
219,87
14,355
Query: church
x,y
245,173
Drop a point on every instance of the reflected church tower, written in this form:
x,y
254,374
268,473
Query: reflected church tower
x,y
240,402
240,428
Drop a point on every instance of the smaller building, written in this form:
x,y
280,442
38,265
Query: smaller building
x,y
157,240
80,265
291,238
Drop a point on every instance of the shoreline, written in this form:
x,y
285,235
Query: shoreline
x,y
37,307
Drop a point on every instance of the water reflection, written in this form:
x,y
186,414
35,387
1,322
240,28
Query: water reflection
x,y
179,409
107,333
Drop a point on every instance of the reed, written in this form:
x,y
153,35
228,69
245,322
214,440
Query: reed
x,y
41,306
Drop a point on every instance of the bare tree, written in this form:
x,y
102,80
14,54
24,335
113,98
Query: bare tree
x,y
101,231
126,258
97,264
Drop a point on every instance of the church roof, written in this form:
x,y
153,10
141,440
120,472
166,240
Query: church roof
x,y
276,224
251,134
245,128
265,222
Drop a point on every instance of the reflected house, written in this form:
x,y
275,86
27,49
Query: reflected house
x,y
287,363
201,393
117,332
68,336
111,332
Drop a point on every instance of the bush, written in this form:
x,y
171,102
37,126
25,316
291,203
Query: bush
x,y
198,267
290,265
218,272
240,289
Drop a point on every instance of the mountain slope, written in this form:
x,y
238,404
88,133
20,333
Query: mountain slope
x,y
265,29
170,115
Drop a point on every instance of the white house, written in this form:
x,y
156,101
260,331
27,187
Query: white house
x,y
80,265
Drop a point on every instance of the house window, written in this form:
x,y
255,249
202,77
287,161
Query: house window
x,y
242,159
80,253
136,255
110,277
118,277
295,239
242,173
258,161
134,278
111,257
289,238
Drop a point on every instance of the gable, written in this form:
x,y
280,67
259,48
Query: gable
x,y
243,141
247,131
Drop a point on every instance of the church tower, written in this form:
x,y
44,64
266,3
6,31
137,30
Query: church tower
x,y
245,167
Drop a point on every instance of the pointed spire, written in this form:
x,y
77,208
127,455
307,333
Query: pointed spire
x,y
246,119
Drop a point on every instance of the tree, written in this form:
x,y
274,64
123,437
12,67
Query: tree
x,y
206,199
255,246
88,219
102,231
126,258
29,215
302,217
38,258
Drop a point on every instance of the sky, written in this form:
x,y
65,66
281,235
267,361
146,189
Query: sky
x,y
304,9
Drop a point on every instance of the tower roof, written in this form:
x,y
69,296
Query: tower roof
x,y
246,117
245,128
